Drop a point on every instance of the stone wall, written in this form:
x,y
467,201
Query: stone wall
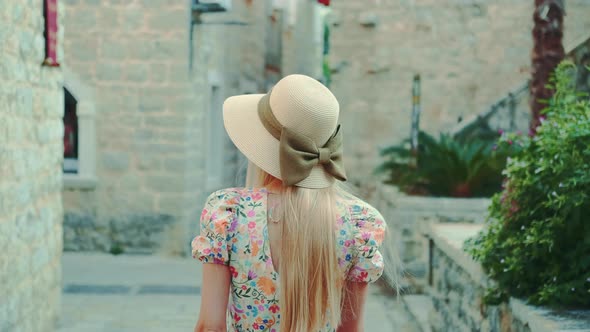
x,y
580,55
31,147
512,112
159,85
468,53
408,217
149,122
457,285
303,39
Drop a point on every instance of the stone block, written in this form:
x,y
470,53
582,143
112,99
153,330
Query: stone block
x,y
108,18
137,72
165,183
27,227
140,231
172,203
24,101
49,131
82,19
39,259
83,232
175,165
115,161
172,135
166,49
108,71
179,72
141,48
169,121
168,19
112,49
132,19
153,100
159,72
84,50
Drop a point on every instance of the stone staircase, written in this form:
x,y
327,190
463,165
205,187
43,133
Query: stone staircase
x,y
511,112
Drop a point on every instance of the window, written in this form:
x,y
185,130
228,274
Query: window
x,y
79,165
70,164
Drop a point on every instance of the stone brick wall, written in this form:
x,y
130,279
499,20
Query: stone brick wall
x,y
135,56
468,53
408,217
457,285
161,144
31,146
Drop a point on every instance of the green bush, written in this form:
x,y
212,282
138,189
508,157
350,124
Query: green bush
x,y
447,167
537,245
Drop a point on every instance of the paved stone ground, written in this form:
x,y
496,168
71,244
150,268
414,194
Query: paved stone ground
x,y
105,293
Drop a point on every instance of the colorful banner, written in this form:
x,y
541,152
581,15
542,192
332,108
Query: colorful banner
x,y
50,11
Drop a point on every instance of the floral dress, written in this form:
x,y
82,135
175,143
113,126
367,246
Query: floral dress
x,y
234,233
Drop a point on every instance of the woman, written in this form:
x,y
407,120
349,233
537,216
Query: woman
x,y
294,251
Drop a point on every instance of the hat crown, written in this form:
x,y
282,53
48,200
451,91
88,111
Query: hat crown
x,y
304,105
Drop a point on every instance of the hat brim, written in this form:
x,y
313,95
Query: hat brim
x,y
243,125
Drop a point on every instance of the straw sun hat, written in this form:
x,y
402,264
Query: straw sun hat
x,y
291,132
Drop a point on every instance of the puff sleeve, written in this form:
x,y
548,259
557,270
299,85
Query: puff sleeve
x,y
217,218
369,226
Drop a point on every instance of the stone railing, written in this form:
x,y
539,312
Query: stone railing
x,y
512,112
457,284
409,216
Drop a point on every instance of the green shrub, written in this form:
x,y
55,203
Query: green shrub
x,y
447,167
537,245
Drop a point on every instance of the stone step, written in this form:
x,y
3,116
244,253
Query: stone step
x,y
419,306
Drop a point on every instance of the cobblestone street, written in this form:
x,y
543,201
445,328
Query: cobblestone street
x,y
150,293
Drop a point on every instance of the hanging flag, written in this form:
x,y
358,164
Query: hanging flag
x,y
50,13
324,2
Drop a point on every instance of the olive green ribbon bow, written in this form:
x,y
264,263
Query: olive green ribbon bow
x,y
298,154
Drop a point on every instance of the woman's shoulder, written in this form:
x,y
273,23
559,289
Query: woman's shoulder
x,y
358,207
363,214
233,196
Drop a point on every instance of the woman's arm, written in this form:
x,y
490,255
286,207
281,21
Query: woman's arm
x,y
355,294
214,298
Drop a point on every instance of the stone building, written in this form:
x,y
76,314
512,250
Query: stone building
x,y
147,80
469,54
31,131
129,127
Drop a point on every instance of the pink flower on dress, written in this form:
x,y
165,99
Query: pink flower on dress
x,y
251,225
251,213
257,197
366,236
252,275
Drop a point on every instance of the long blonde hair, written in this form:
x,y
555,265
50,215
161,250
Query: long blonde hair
x,y
309,275
311,282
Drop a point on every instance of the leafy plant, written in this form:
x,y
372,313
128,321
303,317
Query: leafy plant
x,y
537,245
116,250
447,167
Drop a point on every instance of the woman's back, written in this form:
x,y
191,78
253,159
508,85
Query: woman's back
x,y
235,232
